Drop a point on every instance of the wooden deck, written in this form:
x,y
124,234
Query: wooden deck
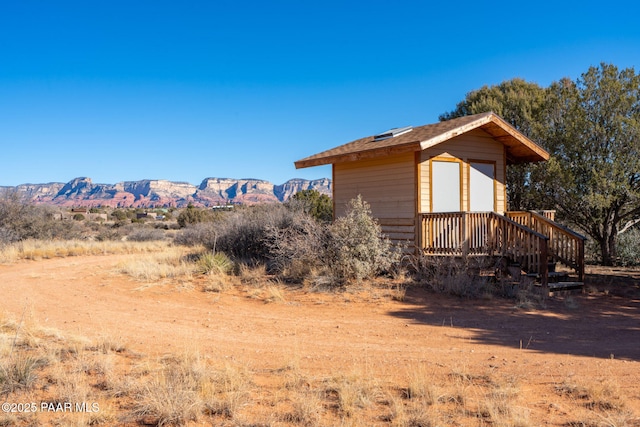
x,y
527,238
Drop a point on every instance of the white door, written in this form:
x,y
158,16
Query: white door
x,y
445,186
481,187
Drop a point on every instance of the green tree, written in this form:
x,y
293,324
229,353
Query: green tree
x,y
319,206
119,214
591,127
521,104
593,132
193,215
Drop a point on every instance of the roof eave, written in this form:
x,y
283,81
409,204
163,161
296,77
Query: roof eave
x,y
359,155
532,152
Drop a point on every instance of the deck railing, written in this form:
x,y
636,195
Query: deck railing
x,y
565,245
484,233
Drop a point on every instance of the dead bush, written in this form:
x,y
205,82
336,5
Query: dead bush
x,y
21,220
299,249
452,275
146,235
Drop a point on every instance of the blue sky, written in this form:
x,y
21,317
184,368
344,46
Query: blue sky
x,y
182,91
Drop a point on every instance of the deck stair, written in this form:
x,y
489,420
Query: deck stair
x,y
565,247
532,243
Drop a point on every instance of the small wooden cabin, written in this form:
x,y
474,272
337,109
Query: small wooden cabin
x,y
442,188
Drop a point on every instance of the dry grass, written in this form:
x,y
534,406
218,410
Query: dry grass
x,y
275,293
421,385
188,388
600,395
306,408
253,275
217,283
171,395
43,249
169,264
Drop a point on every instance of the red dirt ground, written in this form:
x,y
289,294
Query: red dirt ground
x,y
587,336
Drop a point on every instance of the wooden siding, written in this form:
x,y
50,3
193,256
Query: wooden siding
x,y
388,185
473,146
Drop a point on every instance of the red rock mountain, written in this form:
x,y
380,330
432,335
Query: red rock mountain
x,y
163,193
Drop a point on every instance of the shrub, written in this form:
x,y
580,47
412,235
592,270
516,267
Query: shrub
x,y
628,245
8,236
20,220
295,245
193,215
204,233
146,235
358,249
107,234
353,248
319,206
241,234
214,263
297,250
119,215
454,275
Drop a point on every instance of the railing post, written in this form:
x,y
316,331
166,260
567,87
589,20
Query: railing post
x,y
418,234
544,266
581,260
465,233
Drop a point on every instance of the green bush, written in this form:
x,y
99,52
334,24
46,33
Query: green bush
x,y
119,215
628,247
214,263
193,215
319,206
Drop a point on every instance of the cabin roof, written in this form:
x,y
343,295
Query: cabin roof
x,y
520,149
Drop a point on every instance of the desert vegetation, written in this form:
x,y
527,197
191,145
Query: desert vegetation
x,y
121,386
297,246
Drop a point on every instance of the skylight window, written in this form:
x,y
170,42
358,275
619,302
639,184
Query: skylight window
x,y
392,133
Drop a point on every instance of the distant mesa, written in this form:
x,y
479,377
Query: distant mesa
x,y
162,193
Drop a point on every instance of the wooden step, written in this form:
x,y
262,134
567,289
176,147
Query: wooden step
x,y
564,286
558,276
554,276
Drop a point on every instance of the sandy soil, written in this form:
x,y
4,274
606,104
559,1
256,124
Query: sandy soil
x,y
587,336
